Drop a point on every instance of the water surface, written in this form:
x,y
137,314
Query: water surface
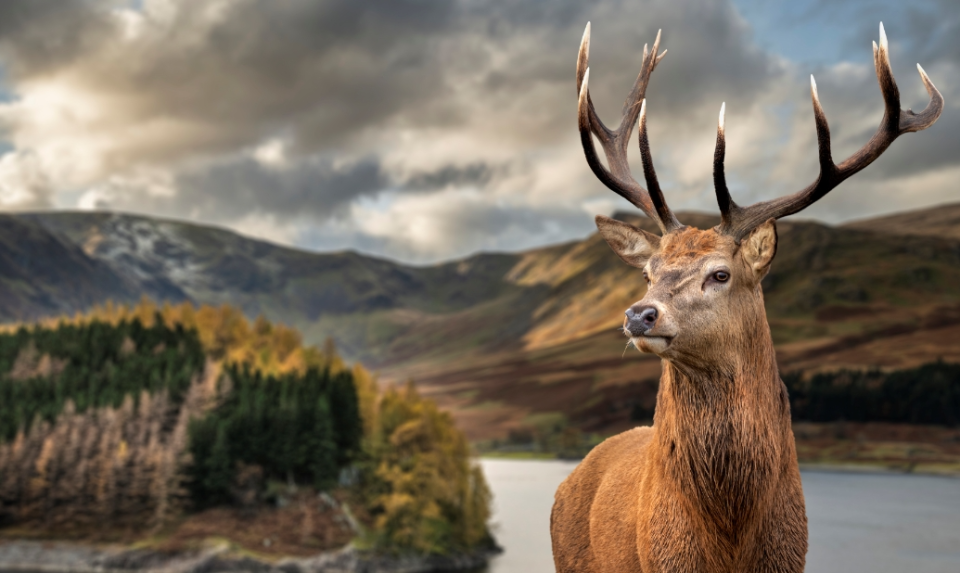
x,y
881,523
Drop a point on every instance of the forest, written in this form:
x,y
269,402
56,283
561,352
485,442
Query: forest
x,y
928,394
140,417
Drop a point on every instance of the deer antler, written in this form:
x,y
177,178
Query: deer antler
x,y
614,142
739,221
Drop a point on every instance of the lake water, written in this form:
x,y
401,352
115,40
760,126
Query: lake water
x,y
881,523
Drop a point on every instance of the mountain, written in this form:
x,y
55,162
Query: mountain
x,y
502,339
43,273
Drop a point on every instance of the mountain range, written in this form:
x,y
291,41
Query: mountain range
x,y
504,339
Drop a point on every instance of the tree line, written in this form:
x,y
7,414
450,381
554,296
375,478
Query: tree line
x,y
928,394
92,365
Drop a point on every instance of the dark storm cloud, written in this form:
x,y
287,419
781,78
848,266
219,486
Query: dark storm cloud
x,y
318,187
39,35
237,188
472,175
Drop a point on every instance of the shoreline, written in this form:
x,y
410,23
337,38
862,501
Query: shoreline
x,y
28,556
875,469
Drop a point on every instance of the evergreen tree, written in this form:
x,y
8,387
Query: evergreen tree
x,y
320,450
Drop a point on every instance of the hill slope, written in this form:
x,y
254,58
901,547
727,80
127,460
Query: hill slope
x,y
939,221
503,337
43,274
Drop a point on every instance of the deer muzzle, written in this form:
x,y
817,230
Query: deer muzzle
x,y
640,319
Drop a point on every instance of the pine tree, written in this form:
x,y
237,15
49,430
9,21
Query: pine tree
x,y
321,450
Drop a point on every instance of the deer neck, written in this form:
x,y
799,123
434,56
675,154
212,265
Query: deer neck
x,y
721,434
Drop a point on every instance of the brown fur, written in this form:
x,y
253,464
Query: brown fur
x,y
688,244
714,485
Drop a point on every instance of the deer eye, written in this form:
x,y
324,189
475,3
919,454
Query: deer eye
x,y
646,277
721,276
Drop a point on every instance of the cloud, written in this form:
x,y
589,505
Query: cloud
x,y
233,189
23,185
428,227
425,129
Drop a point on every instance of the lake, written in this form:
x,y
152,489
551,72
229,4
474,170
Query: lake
x,y
882,523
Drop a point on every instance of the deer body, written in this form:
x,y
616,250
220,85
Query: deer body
x,y
713,486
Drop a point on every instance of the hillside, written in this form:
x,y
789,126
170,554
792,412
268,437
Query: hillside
x,y
44,274
505,338
939,221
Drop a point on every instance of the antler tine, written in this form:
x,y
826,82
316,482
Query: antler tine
x,y
630,109
656,195
614,142
727,206
895,122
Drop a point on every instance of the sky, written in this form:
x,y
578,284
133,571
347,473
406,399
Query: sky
x,y
426,130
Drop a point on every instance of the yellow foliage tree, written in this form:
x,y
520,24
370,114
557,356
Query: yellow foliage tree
x,y
425,493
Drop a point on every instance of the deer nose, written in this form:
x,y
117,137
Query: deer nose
x,y
640,319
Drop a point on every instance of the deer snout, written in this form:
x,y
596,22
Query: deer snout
x,y
640,319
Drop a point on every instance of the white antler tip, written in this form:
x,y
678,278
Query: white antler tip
x,y
925,78
723,108
583,86
643,109
813,92
883,37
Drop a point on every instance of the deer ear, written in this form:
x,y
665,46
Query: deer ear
x,y
759,248
635,246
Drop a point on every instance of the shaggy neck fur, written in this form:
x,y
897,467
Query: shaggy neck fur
x,y
721,435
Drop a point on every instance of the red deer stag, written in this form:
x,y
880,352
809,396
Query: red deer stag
x,y
713,485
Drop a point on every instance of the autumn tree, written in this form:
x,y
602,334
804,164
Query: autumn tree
x,y
425,493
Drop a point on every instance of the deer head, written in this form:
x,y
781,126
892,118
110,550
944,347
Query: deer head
x,y
704,286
